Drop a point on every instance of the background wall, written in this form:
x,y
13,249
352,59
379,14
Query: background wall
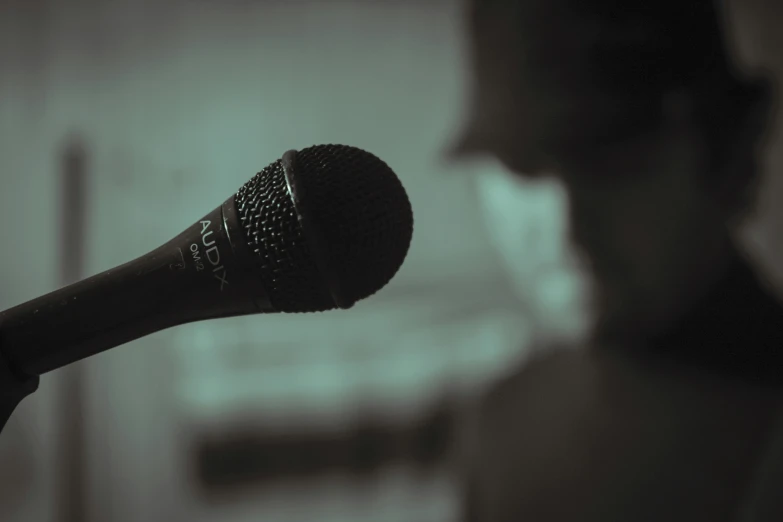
x,y
177,104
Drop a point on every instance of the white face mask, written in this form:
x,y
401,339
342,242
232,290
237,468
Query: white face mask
x,y
527,222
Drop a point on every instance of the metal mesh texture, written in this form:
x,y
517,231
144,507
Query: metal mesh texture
x,y
362,214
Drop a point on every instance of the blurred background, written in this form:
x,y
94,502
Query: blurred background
x,y
124,121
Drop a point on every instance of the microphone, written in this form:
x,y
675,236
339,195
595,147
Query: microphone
x,y
317,230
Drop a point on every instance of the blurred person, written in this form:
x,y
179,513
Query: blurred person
x,y
637,113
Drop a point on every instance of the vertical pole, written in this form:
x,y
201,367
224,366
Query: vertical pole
x,y
72,231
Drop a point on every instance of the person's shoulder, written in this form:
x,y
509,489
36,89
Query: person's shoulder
x,y
585,420
577,377
546,374
580,401
541,402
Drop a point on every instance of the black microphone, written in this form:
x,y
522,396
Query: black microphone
x,y
317,230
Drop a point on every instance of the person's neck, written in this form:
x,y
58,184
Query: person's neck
x,y
709,267
701,275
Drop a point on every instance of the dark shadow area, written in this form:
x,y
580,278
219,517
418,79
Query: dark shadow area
x,y
253,458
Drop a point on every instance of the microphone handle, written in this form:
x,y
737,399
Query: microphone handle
x,y
203,273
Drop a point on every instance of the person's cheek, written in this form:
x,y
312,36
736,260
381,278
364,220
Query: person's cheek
x,y
527,223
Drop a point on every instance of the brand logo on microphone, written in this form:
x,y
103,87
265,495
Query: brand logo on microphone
x,y
211,253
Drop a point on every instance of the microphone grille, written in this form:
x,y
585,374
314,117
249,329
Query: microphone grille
x,y
362,212
349,205
272,230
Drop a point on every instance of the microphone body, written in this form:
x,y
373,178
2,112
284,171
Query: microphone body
x,y
316,230
205,272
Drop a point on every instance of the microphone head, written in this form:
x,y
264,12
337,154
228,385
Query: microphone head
x,y
330,225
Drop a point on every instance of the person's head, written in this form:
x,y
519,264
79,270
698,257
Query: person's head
x,y
635,109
